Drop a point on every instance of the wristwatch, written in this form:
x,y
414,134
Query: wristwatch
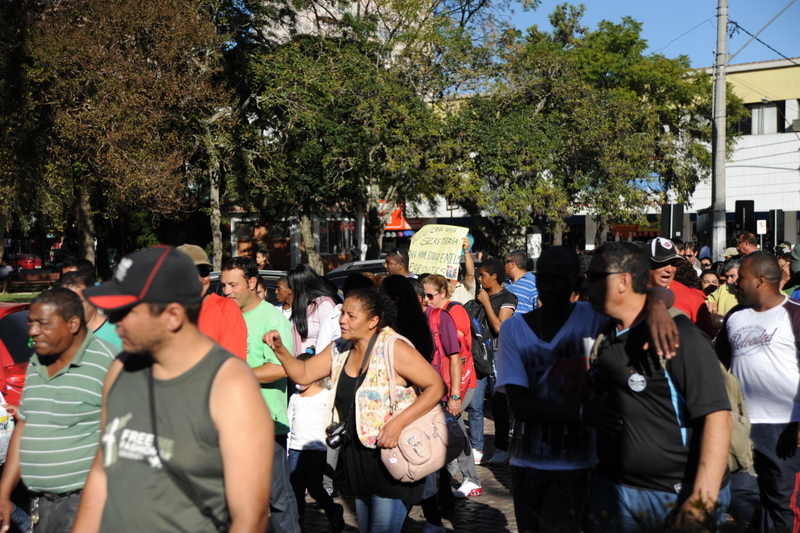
x,y
455,397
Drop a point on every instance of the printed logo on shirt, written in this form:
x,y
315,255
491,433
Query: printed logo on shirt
x,y
121,442
749,339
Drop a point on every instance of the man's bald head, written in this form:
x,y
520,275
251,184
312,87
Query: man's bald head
x,y
763,264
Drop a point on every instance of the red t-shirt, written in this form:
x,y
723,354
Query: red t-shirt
x,y
693,303
222,320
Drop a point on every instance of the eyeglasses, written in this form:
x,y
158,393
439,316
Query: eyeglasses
x,y
689,256
430,296
507,261
593,277
204,270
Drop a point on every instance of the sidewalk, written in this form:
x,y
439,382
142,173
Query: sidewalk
x,y
491,512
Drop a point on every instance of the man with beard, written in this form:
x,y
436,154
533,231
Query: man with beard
x,y
187,440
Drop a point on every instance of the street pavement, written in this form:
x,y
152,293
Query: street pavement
x,y
492,512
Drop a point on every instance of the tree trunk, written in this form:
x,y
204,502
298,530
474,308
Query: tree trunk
x,y
85,224
216,227
375,222
599,233
310,244
558,233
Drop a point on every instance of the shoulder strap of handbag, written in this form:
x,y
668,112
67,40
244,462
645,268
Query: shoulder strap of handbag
x,y
180,481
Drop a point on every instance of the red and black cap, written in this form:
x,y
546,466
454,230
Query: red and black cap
x,y
160,274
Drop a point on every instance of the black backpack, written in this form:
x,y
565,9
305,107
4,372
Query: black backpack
x,y
482,354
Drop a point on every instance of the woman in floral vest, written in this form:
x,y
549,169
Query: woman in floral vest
x,y
360,403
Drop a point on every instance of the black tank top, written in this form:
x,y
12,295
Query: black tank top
x,y
141,496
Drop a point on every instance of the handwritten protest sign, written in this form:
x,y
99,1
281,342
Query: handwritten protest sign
x,y
436,249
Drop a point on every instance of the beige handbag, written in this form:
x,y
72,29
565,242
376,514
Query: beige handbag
x,y
426,444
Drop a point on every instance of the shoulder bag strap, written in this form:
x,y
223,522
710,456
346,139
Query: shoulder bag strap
x,y
180,481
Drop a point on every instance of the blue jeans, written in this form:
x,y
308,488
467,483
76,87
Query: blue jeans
x,y
20,521
549,500
475,411
284,517
618,508
380,515
777,462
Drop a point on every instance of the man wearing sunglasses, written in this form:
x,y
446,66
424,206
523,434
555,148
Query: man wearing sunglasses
x,y
396,262
220,317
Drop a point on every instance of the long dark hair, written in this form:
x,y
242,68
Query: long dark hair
x,y
411,321
307,286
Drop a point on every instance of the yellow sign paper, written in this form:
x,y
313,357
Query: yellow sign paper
x,y
436,249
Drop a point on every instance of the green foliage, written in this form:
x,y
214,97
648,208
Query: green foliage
x,y
580,120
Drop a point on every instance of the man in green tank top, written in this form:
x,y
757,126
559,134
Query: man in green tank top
x,y
187,439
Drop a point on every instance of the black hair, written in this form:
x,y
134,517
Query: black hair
x,y
356,280
246,264
375,304
419,288
494,266
67,303
400,255
77,278
410,321
627,257
749,238
307,286
79,263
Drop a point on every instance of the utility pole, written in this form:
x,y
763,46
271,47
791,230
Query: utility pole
x,y
718,209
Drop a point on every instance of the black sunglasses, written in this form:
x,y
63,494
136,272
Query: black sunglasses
x,y
204,270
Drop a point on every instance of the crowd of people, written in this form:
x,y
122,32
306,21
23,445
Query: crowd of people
x,y
153,404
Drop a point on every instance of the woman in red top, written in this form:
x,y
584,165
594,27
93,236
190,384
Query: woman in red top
x,y
437,293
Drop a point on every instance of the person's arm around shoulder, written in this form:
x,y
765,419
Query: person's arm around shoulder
x,y
95,491
246,442
413,368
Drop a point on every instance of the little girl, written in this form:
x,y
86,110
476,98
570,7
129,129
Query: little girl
x,y
307,449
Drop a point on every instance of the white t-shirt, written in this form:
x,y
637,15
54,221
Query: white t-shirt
x,y
556,372
764,356
307,421
329,329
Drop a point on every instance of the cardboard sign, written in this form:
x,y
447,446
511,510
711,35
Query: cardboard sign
x,y
436,249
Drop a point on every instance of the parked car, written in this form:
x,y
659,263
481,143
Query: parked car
x,y
14,350
339,274
21,262
270,276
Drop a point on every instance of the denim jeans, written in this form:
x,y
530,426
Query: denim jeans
x,y
56,516
777,462
305,472
380,515
618,508
546,501
284,517
475,411
20,521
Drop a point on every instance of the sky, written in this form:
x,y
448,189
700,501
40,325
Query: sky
x,y
689,27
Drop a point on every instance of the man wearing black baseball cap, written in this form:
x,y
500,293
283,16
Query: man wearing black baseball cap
x,y
180,414
664,261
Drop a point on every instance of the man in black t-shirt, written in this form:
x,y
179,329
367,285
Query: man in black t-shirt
x,y
664,426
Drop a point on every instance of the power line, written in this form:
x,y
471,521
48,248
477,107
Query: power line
x,y
734,23
681,35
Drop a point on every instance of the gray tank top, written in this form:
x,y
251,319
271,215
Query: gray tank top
x,y
141,496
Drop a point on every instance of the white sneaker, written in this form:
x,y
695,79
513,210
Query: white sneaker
x,y
468,488
478,456
430,528
499,458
